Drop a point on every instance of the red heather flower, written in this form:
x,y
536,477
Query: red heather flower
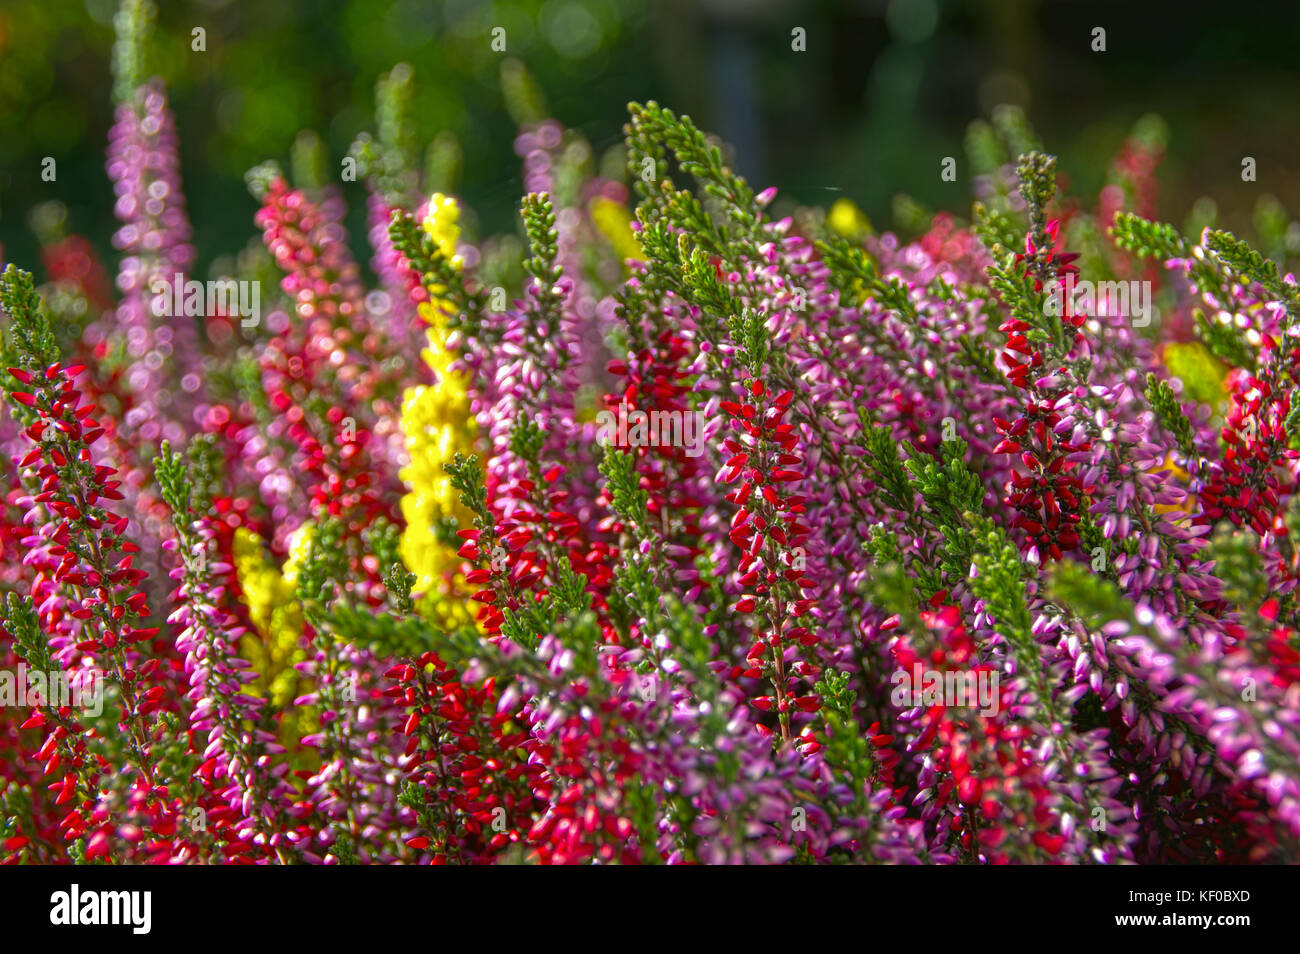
x,y
1255,478
768,529
495,579
657,381
322,281
1254,483
590,765
1052,260
1283,656
321,278
982,776
71,488
61,762
94,568
468,758
121,448
529,532
1045,494
336,465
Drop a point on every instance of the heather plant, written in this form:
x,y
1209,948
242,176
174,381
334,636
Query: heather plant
x,y
424,608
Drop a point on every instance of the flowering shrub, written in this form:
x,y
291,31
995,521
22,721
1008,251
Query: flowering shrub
x,y
959,569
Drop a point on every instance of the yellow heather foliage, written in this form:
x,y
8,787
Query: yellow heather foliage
x,y
848,220
442,223
276,616
615,223
437,423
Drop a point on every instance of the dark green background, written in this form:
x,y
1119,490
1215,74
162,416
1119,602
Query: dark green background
x,y
883,91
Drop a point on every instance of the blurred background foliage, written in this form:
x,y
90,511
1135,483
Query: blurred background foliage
x,y
884,90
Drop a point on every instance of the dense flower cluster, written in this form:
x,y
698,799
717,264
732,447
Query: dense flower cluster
x,y
886,558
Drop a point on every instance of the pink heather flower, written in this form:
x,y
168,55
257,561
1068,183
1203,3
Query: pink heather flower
x,y
165,375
